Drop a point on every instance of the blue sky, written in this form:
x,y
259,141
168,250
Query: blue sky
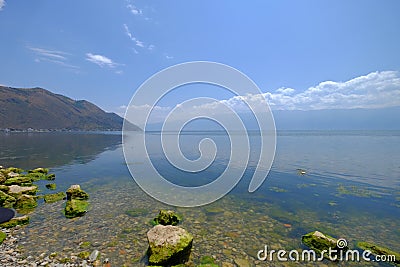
x,y
302,54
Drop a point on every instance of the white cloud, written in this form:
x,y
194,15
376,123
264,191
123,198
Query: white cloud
x,y
53,56
375,90
100,60
2,4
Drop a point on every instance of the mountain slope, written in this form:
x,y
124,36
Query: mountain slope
x,y
38,108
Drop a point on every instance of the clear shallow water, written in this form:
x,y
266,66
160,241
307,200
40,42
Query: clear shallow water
x,y
351,190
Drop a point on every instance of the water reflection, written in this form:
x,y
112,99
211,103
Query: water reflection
x,y
29,150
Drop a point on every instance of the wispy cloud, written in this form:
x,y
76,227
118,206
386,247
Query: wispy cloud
x,y
101,60
133,9
2,4
136,40
52,56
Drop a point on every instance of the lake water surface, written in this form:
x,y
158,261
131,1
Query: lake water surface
x,y
351,190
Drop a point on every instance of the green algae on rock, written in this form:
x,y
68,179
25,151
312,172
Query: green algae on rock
x,y
51,186
75,192
23,220
2,237
168,245
320,242
51,198
167,217
25,203
77,204
378,250
6,200
75,208
39,170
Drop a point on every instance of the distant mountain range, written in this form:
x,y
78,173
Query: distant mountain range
x,y
37,108
339,119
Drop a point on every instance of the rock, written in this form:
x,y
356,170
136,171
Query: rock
x,y
168,245
167,217
93,256
39,170
227,264
23,220
76,202
75,208
51,177
75,192
84,254
4,188
6,200
378,250
20,180
25,203
50,198
52,186
2,236
242,262
318,242
6,214
17,190
12,174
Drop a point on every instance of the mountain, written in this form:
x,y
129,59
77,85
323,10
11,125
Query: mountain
x,y
37,108
339,119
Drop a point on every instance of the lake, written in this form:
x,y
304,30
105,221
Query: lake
x,y
350,189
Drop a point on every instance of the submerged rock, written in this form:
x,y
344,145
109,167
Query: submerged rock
x,y
167,217
168,245
318,242
378,250
15,221
51,186
50,198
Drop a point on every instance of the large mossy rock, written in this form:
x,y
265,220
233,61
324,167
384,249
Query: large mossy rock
x,y
77,204
379,250
75,192
19,180
25,203
16,190
75,208
168,245
167,217
319,242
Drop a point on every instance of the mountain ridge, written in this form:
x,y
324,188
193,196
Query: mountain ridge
x,y
39,109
